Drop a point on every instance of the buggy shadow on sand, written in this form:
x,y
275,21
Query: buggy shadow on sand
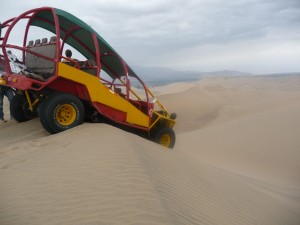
x,y
64,92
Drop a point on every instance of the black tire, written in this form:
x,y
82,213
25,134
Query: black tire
x,y
60,112
165,136
19,109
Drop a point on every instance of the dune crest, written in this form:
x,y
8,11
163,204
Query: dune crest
x,y
131,181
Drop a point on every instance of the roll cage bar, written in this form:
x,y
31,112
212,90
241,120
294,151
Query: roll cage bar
x,y
61,40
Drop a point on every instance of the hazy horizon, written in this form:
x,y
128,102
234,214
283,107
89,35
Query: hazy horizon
x,y
259,37
157,76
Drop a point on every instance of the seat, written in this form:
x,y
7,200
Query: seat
x,y
40,65
44,41
52,40
30,43
37,42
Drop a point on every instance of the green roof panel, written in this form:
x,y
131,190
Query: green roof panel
x,y
44,19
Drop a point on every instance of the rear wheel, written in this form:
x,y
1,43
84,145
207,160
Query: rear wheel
x,y
20,110
61,112
165,136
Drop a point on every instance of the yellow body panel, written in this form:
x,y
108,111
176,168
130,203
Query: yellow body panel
x,y
102,94
2,82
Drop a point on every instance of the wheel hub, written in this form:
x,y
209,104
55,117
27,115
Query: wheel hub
x,y
66,114
165,140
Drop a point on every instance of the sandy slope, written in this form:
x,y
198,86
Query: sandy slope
x,y
235,162
260,145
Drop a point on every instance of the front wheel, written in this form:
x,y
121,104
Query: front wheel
x,y
20,110
61,112
165,136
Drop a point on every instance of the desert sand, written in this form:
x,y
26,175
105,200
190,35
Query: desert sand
x,y
236,161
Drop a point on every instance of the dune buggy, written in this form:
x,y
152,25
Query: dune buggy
x,y
64,92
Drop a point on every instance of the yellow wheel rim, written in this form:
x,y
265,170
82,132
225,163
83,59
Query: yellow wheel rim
x,y
165,140
66,114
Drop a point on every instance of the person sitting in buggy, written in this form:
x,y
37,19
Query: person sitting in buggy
x,y
68,59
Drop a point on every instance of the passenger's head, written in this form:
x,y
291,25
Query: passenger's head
x,y
68,53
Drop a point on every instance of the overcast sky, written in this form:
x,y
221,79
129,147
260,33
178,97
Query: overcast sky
x,y
257,36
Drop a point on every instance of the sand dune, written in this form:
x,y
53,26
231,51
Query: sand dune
x,y
12,132
260,145
235,162
216,101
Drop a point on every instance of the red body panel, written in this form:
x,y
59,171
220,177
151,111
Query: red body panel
x,y
70,87
111,113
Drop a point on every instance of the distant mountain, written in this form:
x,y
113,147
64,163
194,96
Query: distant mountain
x,y
154,76
227,73
161,75
281,74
